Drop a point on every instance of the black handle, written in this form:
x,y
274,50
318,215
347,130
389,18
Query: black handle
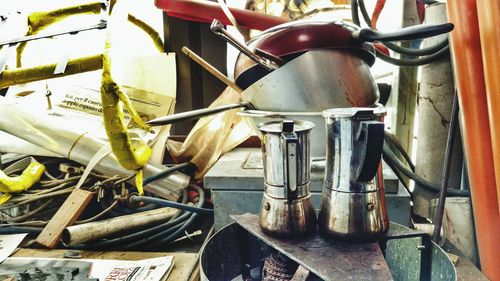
x,y
193,114
371,136
407,33
290,145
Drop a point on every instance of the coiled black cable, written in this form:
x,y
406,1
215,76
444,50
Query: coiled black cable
x,y
166,203
171,233
399,49
119,210
145,237
166,172
390,157
179,217
179,232
434,52
414,62
20,229
137,236
392,140
418,52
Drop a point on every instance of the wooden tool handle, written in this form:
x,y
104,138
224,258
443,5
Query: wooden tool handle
x,y
208,67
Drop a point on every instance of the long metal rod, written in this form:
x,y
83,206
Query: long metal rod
x,y
101,25
450,144
193,114
488,16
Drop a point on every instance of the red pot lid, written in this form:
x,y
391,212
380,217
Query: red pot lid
x,y
303,35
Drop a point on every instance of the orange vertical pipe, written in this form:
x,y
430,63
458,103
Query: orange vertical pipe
x,y
489,16
469,76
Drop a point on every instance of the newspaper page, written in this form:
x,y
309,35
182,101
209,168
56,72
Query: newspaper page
x,y
77,99
142,270
154,269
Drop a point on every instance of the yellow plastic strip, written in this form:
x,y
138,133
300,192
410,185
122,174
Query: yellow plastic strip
x,y
138,182
27,179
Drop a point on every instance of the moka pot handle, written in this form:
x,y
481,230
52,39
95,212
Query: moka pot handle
x,y
290,143
370,137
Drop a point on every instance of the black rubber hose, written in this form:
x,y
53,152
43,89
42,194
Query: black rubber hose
x,y
120,210
171,237
390,157
399,62
399,49
178,233
417,52
152,239
354,12
19,229
167,172
167,203
400,178
172,232
394,141
364,12
414,62
137,238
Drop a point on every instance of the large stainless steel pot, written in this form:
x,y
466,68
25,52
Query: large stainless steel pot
x,y
291,39
317,80
324,64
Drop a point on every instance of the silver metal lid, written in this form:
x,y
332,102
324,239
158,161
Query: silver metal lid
x,y
276,126
351,111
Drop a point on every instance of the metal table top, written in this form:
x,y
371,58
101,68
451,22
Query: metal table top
x,y
329,260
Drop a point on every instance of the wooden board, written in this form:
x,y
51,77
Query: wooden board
x,y
184,263
67,214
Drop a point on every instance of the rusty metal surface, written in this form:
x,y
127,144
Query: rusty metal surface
x,y
329,260
411,255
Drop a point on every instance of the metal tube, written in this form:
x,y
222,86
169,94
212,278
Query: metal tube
x,y
438,217
194,114
83,233
206,11
489,17
100,25
468,66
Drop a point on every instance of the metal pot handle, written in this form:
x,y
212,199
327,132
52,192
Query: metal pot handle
x,y
290,142
371,136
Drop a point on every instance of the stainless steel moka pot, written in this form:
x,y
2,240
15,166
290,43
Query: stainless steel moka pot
x,y
353,203
287,209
